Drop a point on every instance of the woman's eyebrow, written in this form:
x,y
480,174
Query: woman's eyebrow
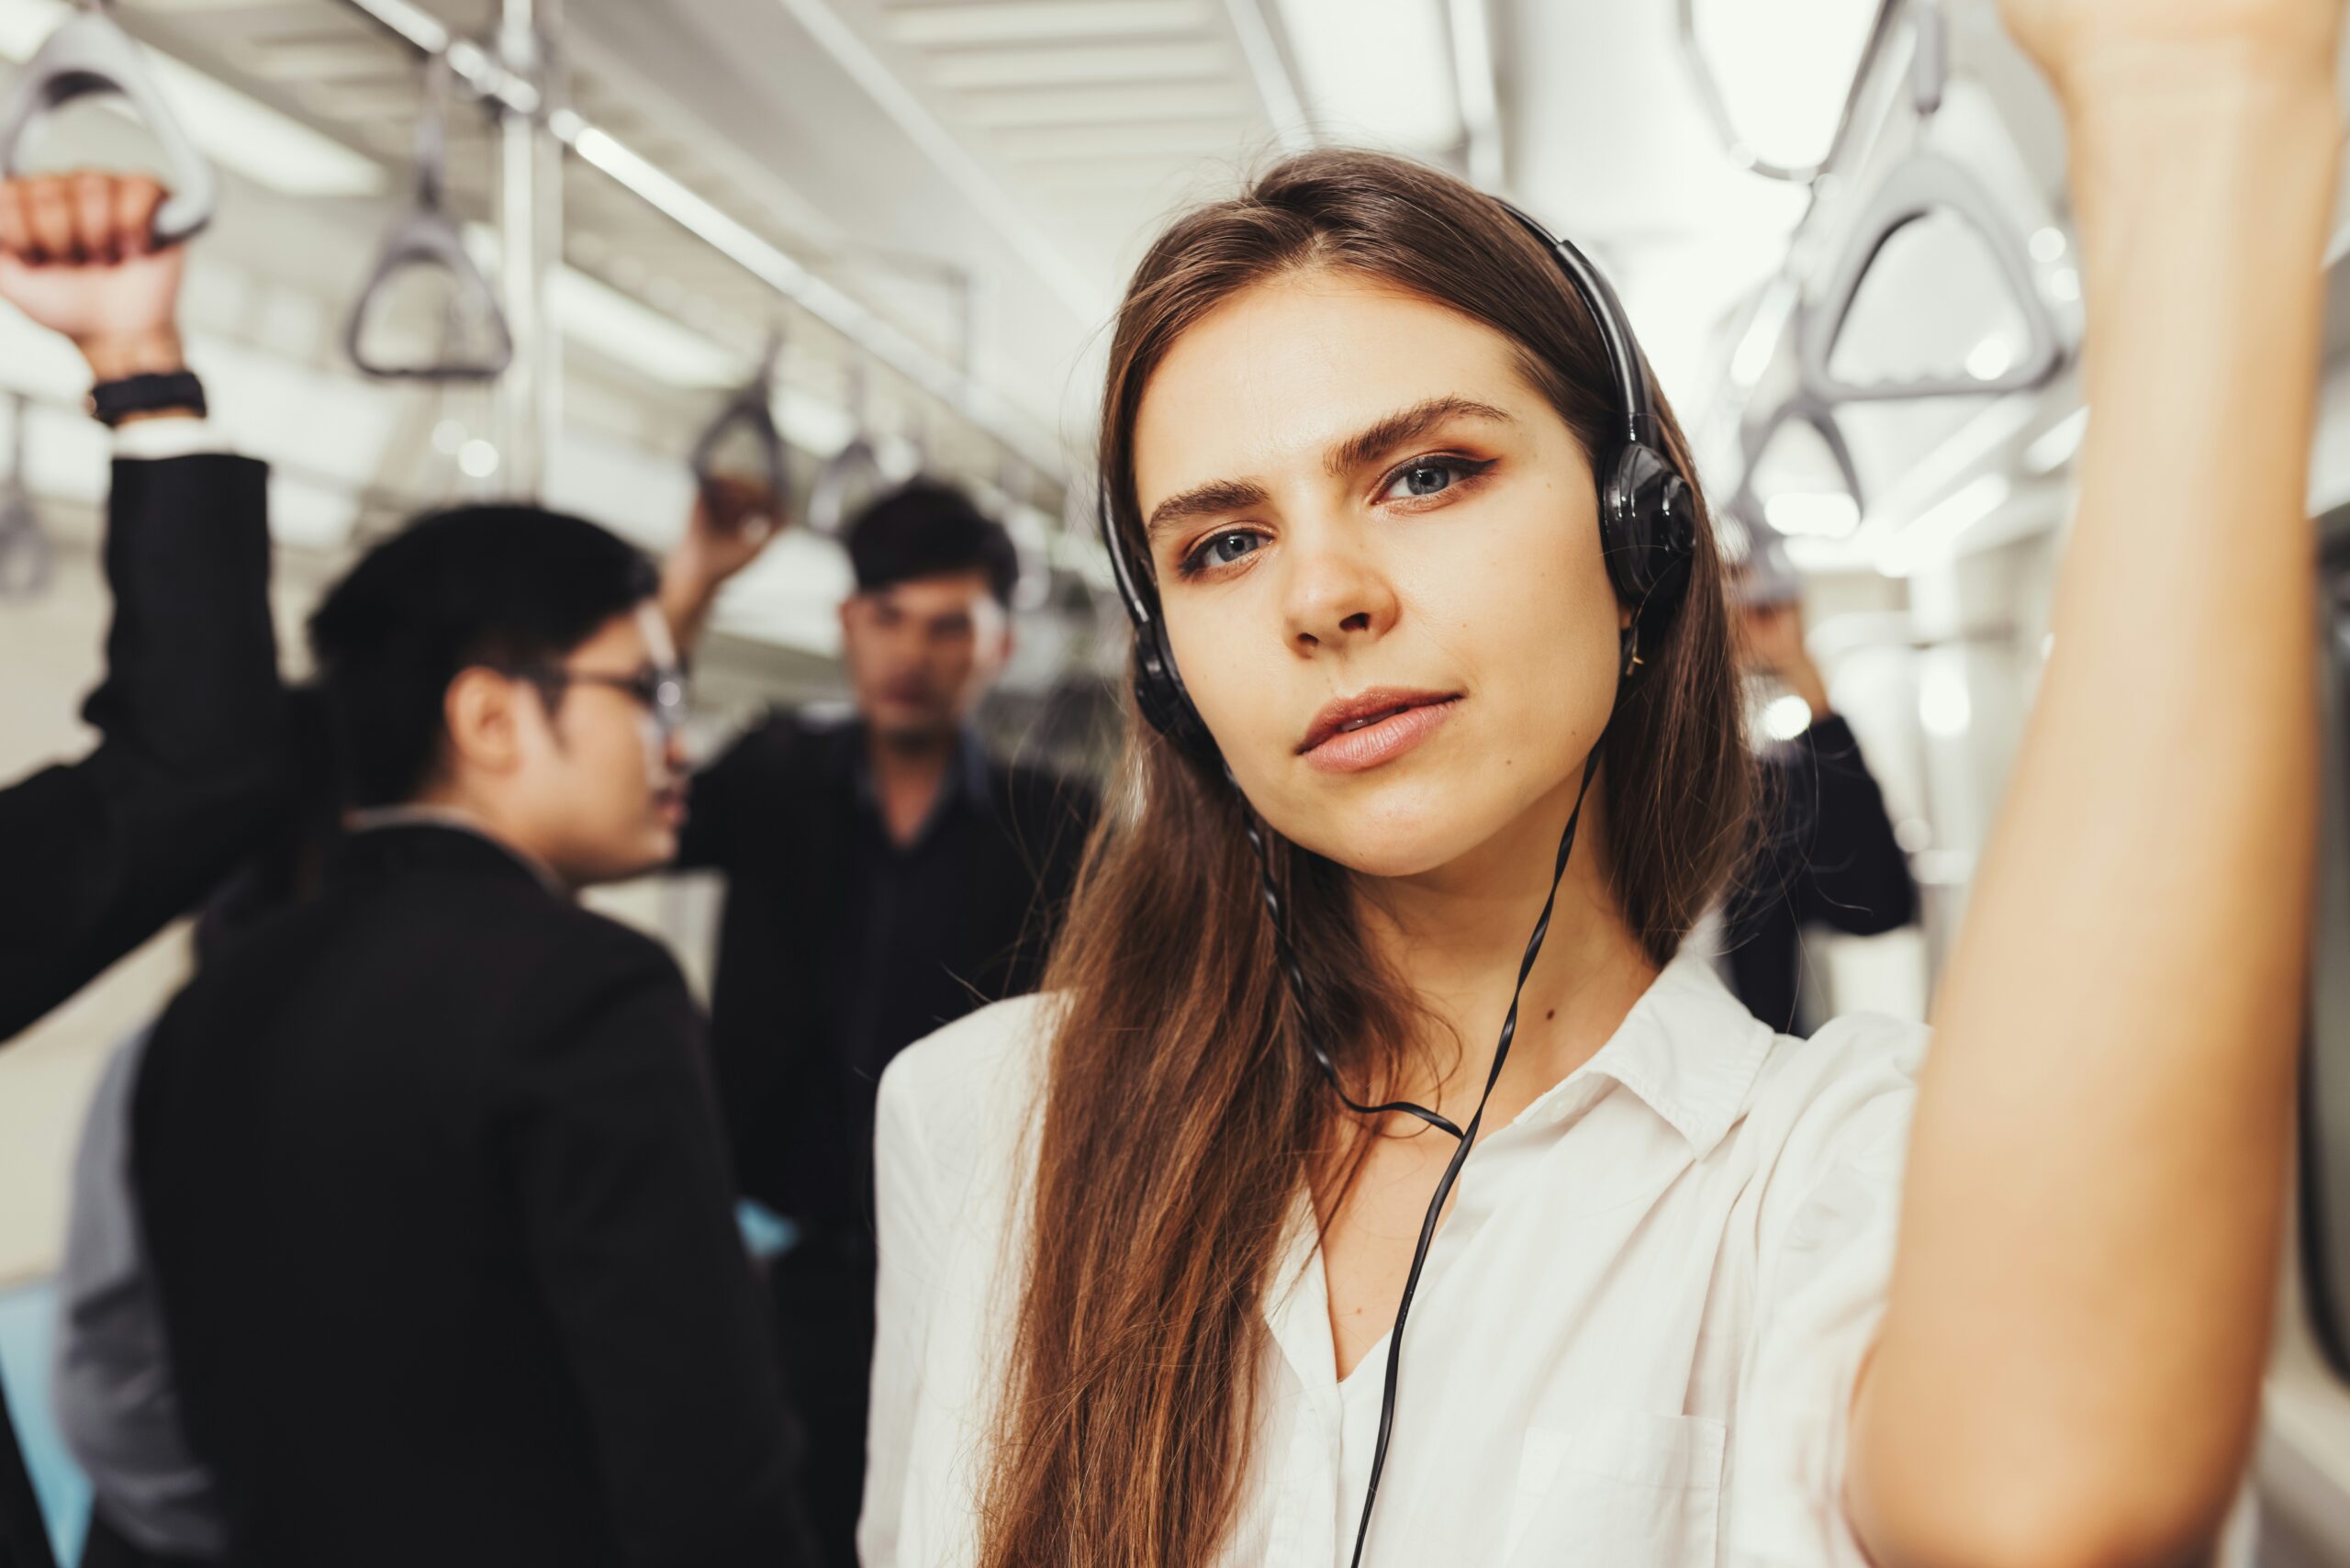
x,y
1399,429
1365,446
1205,500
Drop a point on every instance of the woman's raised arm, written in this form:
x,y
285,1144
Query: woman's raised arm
x,y
2069,1366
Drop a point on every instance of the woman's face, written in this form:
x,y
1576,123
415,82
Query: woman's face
x,y
1378,550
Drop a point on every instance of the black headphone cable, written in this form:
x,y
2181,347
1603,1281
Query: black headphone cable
x,y
1464,1138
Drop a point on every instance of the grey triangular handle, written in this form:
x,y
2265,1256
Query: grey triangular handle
x,y
752,408
836,484
1801,409
90,54
430,238
1924,183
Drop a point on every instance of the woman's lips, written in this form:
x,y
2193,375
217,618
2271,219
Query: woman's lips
x,y
1382,740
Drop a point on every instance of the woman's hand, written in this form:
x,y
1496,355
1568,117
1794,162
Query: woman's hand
x,y
2069,1366
2098,50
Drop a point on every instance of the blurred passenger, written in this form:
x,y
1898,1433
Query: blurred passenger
x,y
103,852
430,1181
1827,855
885,875
154,1504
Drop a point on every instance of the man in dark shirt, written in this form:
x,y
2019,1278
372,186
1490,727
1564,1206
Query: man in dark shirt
x,y
1827,856
884,876
430,1176
103,852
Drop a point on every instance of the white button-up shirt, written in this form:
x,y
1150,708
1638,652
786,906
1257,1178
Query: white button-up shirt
x,y
1634,1345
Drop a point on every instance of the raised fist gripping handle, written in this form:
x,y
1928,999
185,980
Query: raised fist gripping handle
x,y
89,55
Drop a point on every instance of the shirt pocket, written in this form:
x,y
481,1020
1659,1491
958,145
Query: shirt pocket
x,y
1620,1488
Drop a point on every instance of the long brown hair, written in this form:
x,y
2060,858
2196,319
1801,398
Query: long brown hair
x,y
1183,1116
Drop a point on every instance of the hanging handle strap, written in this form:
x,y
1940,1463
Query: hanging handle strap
x,y
752,409
850,477
90,54
1807,410
430,237
1928,183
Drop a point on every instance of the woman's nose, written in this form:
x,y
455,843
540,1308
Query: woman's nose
x,y
1337,591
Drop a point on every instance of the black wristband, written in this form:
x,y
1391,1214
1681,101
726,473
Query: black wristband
x,y
111,402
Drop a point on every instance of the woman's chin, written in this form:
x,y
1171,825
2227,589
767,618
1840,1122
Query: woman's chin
x,y
1404,840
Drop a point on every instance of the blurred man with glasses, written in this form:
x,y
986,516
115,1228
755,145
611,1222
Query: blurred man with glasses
x,y
432,1189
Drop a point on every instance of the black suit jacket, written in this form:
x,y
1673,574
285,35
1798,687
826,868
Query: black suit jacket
x,y
1829,857
101,854
440,1221
840,948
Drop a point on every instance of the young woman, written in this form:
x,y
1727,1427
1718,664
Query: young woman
x,y
1698,1295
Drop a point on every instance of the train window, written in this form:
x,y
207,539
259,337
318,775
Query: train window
x,y
2325,1089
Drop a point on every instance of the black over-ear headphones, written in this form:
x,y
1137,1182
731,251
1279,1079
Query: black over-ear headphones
x,y
1647,515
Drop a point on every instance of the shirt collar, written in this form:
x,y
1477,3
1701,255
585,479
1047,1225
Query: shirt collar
x,y
1688,1048
966,776
379,818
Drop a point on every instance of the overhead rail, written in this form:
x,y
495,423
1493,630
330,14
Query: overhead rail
x,y
752,411
25,555
867,332
428,236
88,55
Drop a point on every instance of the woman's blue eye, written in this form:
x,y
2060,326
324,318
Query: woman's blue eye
x,y
1424,480
1223,549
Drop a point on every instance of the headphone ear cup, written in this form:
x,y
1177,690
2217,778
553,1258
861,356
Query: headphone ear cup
x,y
1648,525
1158,692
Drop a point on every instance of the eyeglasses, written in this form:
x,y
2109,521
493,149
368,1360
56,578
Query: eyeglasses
x,y
661,692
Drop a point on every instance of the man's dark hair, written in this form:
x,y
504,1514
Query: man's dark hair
x,y
506,585
927,530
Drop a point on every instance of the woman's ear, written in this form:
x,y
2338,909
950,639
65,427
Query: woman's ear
x,y
482,712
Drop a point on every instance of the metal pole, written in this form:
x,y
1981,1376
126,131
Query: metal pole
x,y
530,395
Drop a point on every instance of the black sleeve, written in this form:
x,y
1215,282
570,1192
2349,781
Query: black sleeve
x,y
1855,877
102,853
628,1210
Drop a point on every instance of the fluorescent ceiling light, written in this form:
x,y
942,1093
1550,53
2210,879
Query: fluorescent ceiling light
x,y
1379,68
598,317
1480,109
241,133
1103,106
1931,538
1944,706
982,69
1020,21
603,318
2056,446
1990,359
1827,514
1787,718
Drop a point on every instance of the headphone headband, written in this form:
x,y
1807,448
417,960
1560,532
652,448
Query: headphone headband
x,y
1121,565
1635,398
